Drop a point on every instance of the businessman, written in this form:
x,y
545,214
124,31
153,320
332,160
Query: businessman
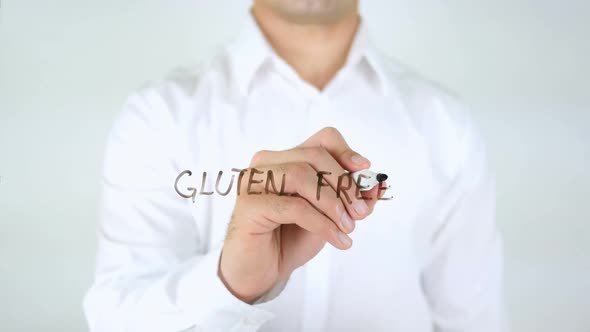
x,y
301,91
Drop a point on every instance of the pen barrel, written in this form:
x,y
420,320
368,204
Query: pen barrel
x,y
366,178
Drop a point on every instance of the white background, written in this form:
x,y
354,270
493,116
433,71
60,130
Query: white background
x,y
66,66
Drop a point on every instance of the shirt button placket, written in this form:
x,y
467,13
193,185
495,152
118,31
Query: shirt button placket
x,y
317,271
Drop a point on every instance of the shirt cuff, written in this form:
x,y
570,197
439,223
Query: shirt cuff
x,y
272,293
203,297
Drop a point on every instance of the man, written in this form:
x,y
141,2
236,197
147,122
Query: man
x,y
294,95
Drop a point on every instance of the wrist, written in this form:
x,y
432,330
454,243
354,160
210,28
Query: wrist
x,y
245,278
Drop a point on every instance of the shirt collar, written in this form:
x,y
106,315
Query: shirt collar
x,y
250,51
363,52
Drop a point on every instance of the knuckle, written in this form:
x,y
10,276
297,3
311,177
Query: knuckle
x,y
300,170
259,157
337,208
297,205
310,153
315,153
281,168
330,131
347,152
327,228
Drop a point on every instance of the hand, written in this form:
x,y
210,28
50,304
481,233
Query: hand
x,y
271,235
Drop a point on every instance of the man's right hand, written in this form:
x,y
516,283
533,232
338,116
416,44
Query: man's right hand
x,y
271,235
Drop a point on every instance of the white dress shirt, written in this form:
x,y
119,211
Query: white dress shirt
x,y
430,259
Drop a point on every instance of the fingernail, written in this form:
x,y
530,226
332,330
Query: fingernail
x,y
360,207
344,239
347,222
359,160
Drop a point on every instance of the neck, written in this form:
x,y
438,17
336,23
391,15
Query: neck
x,y
315,51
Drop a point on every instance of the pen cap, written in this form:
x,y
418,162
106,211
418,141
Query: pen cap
x,y
368,179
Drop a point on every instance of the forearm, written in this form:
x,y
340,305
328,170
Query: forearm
x,y
168,298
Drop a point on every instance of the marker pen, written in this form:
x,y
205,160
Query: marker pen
x,y
369,179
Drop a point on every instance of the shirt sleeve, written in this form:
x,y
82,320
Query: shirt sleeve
x,y
463,279
154,272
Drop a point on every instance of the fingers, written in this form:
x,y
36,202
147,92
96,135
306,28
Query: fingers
x,y
282,210
321,161
316,172
301,179
331,139
372,196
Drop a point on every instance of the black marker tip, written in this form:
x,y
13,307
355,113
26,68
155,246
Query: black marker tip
x,y
381,177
